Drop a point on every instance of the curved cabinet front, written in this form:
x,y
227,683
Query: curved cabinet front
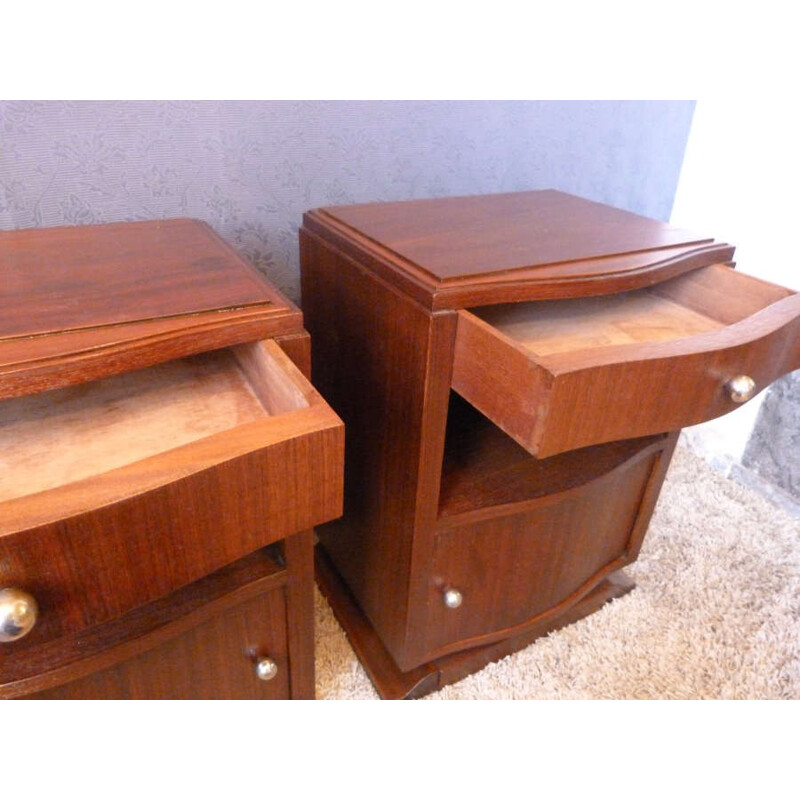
x,y
512,571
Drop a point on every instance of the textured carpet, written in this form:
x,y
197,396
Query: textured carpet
x,y
716,613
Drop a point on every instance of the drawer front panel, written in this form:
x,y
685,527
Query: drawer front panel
x,y
513,570
91,549
93,567
554,386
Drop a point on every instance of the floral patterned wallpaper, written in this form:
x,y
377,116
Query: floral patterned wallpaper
x,y
251,168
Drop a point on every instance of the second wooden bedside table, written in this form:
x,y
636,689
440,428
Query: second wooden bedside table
x,y
512,371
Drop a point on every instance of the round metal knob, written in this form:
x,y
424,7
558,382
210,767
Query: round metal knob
x,y
453,598
741,388
266,669
18,613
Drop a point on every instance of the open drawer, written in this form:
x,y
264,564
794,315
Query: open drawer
x,y
116,492
562,374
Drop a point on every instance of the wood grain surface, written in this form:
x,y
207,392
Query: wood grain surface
x,y
454,237
384,364
68,659
80,303
160,467
69,278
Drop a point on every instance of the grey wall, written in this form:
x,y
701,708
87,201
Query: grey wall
x,y
251,168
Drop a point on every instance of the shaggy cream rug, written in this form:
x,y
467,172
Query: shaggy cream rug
x,y
716,614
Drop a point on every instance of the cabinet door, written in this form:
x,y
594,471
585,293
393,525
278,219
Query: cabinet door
x,y
216,660
513,570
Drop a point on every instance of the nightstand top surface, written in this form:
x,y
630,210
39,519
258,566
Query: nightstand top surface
x,y
81,277
460,237
80,302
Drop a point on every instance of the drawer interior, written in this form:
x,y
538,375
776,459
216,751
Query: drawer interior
x,y
58,437
701,301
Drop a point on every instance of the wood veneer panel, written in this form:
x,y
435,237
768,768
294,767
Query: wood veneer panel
x,y
586,277
97,546
392,683
702,301
603,377
84,302
379,360
43,363
208,662
88,568
298,553
516,570
684,381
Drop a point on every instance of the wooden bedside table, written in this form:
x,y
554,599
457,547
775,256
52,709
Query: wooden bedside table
x,y
513,371
164,460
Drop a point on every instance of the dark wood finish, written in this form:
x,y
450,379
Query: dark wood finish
x,y
141,481
518,566
486,472
298,553
402,377
207,662
143,629
402,301
80,277
298,347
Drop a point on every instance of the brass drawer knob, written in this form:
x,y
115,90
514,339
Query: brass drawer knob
x,y
18,614
741,388
453,598
266,669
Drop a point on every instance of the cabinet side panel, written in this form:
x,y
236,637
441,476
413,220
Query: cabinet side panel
x,y
370,360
